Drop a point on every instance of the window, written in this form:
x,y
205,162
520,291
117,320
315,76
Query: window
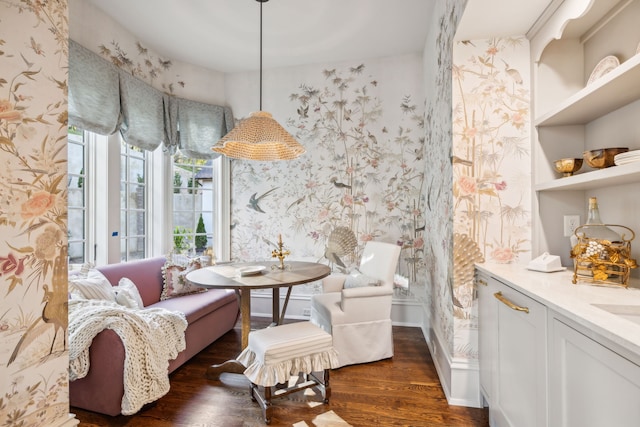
x,y
193,203
114,188
132,202
77,196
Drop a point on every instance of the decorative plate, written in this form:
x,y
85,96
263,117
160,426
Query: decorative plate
x,y
251,270
607,64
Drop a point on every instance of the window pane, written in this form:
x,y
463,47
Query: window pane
x,y
123,224
192,204
76,221
136,223
76,252
136,170
137,197
132,201
136,248
76,195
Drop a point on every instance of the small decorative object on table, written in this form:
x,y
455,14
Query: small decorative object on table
x,y
601,261
208,256
279,253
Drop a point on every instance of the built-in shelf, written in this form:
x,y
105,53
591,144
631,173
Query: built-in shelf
x,y
614,90
615,175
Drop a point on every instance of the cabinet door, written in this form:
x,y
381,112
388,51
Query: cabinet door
x,y
519,394
486,332
590,385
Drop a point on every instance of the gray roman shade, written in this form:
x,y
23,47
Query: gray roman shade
x,y
104,99
200,126
142,109
94,93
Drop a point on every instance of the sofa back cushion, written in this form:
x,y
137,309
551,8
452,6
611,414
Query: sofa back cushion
x,y
146,274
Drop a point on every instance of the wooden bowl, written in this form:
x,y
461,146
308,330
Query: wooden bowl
x,y
568,166
603,157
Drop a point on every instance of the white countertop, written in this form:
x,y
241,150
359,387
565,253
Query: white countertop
x,y
574,301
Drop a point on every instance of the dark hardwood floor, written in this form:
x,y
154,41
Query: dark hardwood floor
x,y
402,391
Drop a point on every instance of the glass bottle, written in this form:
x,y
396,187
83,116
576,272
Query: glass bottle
x,y
595,228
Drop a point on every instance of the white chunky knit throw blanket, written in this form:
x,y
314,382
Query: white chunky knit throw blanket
x,y
151,337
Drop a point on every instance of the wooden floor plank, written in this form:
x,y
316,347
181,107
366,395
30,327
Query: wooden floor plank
x,y
402,391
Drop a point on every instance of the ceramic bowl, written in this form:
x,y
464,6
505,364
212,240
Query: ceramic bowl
x,y
568,166
603,157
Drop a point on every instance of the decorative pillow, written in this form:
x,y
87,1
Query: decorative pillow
x,y
173,281
127,294
94,286
356,279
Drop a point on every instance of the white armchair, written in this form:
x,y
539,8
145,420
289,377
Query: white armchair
x,y
359,318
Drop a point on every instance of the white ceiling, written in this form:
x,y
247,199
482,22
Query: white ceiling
x,y
224,35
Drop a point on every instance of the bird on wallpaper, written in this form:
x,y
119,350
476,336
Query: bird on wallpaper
x,y
337,184
54,312
303,112
297,202
254,201
372,137
358,69
513,73
392,180
342,241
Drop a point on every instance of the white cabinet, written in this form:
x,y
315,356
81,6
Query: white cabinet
x,y
513,360
487,328
572,116
590,385
555,356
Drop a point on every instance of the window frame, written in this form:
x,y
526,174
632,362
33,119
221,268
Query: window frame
x,y
102,200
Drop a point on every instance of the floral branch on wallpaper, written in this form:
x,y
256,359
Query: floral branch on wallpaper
x,y
373,185
147,68
491,136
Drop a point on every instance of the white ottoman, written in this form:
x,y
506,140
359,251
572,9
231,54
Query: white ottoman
x,y
275,354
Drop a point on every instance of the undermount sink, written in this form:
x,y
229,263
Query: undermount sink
x,y
629,312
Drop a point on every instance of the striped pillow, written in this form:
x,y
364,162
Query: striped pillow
x,y
94,286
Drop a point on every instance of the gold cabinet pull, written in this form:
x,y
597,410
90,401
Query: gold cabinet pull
x,y
509,304
482,282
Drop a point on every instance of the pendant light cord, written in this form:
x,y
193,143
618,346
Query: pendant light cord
x,y
260,55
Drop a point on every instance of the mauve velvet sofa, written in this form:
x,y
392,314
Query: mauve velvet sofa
x,y
209,315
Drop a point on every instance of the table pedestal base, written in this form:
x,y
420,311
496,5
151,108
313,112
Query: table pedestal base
x,y
230,366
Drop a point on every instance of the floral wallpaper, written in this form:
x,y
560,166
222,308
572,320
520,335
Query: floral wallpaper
x,y
491,163
33,236
491,121
438,172
98,32
361,178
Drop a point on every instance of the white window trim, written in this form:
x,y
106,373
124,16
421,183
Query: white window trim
x,y
103,229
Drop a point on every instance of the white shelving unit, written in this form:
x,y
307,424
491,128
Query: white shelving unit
x,y
571,117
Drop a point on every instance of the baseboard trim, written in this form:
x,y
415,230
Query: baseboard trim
x,y
404,312
460,378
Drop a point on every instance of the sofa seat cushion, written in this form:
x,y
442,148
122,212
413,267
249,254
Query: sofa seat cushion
x,y
195,306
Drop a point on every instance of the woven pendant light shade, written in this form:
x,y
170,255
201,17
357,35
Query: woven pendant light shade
x,y
259,137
